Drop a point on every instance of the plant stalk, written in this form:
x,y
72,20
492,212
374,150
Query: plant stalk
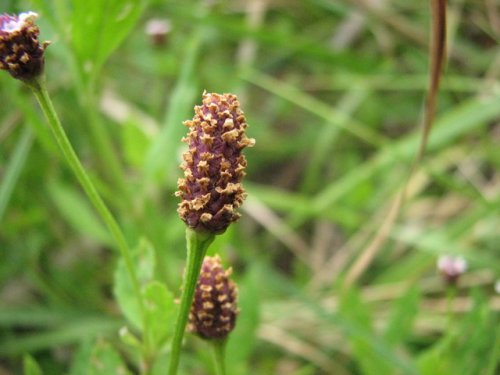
x,y
42,95
219,355
197,245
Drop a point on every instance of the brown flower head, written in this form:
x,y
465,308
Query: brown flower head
x,y
21,54
211,189
213,312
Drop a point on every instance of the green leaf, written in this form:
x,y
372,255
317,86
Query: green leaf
x,y
98,28
354,310
352,306
81,359
76,330
161,158
161,311
433,362
469,346
78,212
143,257
14,168
129,338
98,359
243,339
494,356
30,366
104,360
135,143
158,301
404,313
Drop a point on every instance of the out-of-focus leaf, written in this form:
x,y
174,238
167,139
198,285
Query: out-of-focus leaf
x,y
243,339
162,156
143,258
78,212
434,363
129,338
14,168
354,310
105,360
404,313
81,359
160,310
30,366
98,28
98,359
469,344
78,329
135,143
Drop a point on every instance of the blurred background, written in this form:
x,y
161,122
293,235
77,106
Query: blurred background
x,y
333,92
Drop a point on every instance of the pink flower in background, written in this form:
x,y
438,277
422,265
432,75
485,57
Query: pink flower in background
x,y
451,267
158,30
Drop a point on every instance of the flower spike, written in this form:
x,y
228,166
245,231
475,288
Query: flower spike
x,y
213,312
21,54
214,166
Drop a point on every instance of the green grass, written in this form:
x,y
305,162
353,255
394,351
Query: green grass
x,y
337,119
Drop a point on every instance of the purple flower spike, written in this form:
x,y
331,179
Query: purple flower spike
x,y
21,54
213,312
214,166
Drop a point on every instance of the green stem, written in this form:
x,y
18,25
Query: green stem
x,y
197,245
41,94
451,292
219,354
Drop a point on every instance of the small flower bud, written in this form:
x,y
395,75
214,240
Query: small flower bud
x,y
451,267
213,312
21,54
158,30
214,166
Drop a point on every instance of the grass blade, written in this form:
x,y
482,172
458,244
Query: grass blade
x,y
14,168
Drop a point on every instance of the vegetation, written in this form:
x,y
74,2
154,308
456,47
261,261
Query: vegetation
x,y
335,254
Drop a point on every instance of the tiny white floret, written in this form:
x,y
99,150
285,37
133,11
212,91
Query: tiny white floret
x,y
452,265
17,23
157,27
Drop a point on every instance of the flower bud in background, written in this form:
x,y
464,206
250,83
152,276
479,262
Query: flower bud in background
x,y
21,54
214,166
451,267
213,312
497,286
158,30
